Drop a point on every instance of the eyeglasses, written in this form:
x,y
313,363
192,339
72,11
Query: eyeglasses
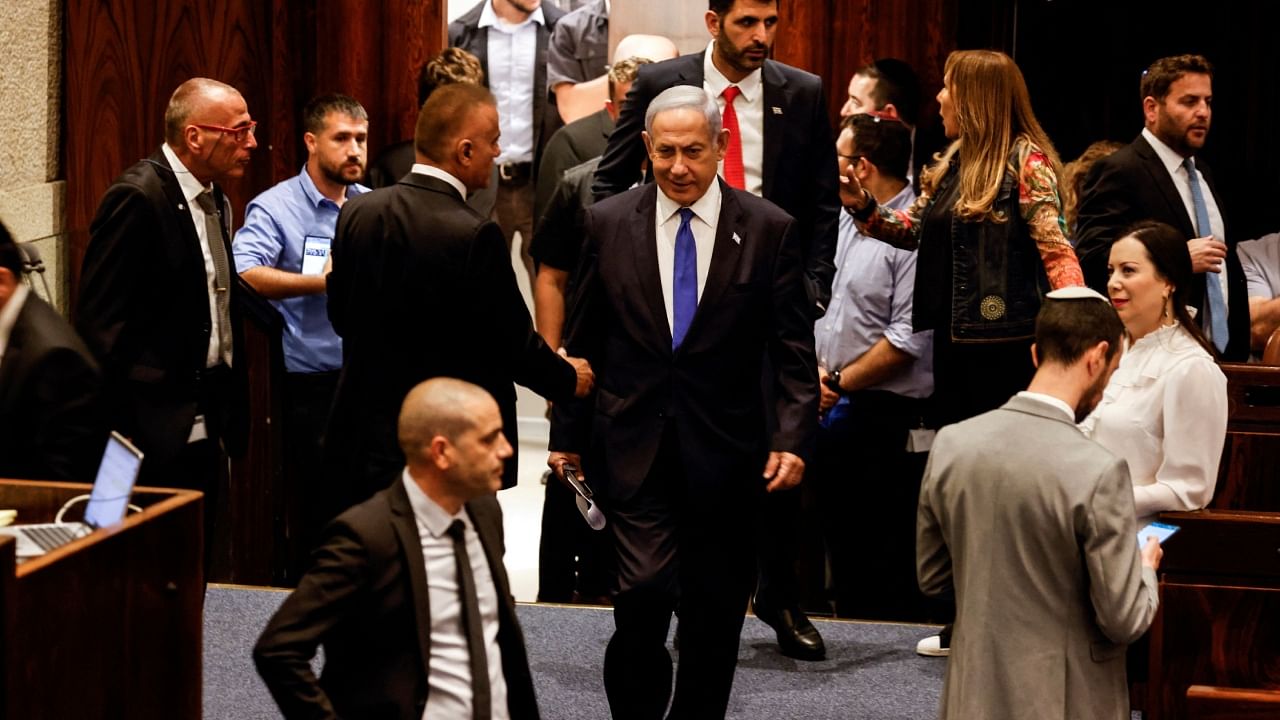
x,y
239,134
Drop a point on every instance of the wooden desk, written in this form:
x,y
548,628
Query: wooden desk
x,y
110,625
1219,619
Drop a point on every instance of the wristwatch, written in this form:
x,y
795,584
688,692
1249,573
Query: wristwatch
x,y
832,381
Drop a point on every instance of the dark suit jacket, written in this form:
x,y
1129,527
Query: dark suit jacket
x,y
1132,184
396,161
422,287
465,33
51,416
571,145
365,599
800,173
143,309
753,303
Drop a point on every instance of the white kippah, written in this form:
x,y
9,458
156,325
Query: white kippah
x,y
1077,293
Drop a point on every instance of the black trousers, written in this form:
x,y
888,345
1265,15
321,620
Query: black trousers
x,y
678,545
868,488
574,562
308,398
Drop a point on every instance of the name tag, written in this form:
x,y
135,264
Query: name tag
x,y
920,440
198,431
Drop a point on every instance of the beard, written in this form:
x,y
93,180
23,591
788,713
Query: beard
x,y
339,173
1091,397
738,59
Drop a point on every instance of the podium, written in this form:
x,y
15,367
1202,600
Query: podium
x,y
110,625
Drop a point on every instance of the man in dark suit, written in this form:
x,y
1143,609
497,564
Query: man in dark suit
x,y
686,285
422,287
1159,177
407,592
511,37
51,421
157,301
784,154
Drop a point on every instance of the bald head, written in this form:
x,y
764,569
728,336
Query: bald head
x,y
655,48
193,99
442,407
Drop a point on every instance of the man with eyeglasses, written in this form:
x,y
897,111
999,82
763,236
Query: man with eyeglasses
x,y
876,374
157,294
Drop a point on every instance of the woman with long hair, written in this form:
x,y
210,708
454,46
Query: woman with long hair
x,y
1165,409
990,232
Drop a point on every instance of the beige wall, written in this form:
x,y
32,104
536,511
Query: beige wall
x,y
31,188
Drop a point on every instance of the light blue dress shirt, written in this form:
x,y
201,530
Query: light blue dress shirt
x,y
276,224
870,299
513,56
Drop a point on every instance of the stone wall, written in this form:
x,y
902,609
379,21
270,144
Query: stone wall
x,y
32,190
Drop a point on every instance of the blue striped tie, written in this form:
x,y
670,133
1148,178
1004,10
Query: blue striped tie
x,y
684,293
1216,305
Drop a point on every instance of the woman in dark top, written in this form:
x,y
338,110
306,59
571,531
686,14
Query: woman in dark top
x,y
990,232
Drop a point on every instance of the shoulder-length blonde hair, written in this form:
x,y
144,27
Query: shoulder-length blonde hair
x,y
993,116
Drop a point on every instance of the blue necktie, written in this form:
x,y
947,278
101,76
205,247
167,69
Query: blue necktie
x,y
684,295
1216,305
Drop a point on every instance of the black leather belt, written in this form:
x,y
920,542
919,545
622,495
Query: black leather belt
x,y
515,173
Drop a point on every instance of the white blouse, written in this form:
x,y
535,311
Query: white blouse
x,y
1165,412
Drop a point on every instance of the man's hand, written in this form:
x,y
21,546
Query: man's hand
x,y
783,470
328,266
852,194
1207,254
1151,553
586,376
829,397
557,460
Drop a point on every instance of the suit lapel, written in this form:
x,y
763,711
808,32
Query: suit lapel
x,y
725,254
642,236
776,95
1164,183
12,357
485,523
193,256
540,85
406,528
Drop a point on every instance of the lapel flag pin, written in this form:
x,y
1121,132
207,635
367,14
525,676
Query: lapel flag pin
x,y
776,110
737,240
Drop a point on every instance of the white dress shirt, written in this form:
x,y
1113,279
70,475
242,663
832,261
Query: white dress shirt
x,y
1054,402
706,213
1165,412
513,57
9,316
191,188
449,669
1178,173
437,173
750,109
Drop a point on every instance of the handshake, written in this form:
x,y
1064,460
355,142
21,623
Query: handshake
x,y
586,377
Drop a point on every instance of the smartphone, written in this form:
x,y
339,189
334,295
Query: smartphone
x,y
315,253
1161,531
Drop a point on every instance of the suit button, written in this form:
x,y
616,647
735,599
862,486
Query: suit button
x,y
660,415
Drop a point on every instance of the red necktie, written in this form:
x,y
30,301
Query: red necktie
x,y
733,172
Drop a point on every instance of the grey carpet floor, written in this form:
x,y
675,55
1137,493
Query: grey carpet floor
x,y
871,670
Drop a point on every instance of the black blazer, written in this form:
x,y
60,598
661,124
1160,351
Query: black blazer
x,y
143,310
710,390
52,425
422,287
465,33
365,599
1132,184
800,173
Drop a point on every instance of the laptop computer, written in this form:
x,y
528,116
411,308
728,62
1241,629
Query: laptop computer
x,y
108,503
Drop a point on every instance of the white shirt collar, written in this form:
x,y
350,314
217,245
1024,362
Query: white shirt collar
x,y
9,315
1054,402
435,172
426,511
1170,157
711,75
489,18
706,209
191,187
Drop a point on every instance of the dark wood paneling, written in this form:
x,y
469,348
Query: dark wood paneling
x,y
1251,454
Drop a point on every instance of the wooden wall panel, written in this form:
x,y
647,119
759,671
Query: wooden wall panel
x,y
833,38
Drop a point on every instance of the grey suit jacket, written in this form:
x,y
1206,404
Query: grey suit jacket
x,y
1032,525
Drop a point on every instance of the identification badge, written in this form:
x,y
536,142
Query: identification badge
x,y
920,440
198,431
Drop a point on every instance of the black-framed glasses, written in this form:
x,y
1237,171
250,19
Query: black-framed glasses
x,y
239,134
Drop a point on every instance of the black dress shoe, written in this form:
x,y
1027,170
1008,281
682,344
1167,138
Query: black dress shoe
x,y
797,637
